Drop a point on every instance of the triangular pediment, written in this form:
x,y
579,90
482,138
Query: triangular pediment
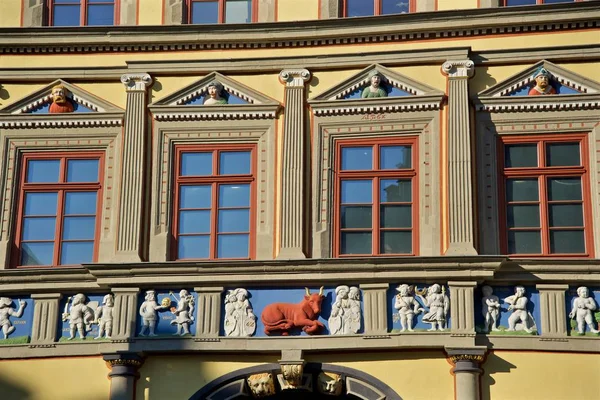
x,y
38,102
563,81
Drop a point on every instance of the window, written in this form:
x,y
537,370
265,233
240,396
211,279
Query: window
x,y
59,209
363,8
82,12
375,192
220,11
214,197
546,196
508,3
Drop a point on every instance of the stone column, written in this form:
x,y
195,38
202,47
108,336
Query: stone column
x,y
125,313
375,308
466,371
293,199
462,309
552,310
123,374
460,161
208,315
45,317
130,238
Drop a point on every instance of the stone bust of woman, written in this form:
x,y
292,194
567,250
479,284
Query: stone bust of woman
x,y
215,94
375,89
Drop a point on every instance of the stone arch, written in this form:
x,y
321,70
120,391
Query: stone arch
x,y
356,385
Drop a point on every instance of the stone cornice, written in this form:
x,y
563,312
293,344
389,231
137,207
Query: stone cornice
x,y
402,27
224,112
70,120
564,102
380,105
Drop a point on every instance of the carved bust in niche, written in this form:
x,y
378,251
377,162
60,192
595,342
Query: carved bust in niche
x,y
216,95
60,101
374,89
542,83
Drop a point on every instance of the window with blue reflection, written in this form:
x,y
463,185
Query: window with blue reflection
x,y
82,170
233,246
234,162
233,220
357,158
76,253
196,164
357,191
195,196
520,2
395,157
39,225
238,11
395,190
37,253
41,203
80,203
395,6
204,12
360,8
193,246
101,12
195,221
66,13
235,195
79,228
43,171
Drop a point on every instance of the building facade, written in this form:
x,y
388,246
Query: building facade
x,y
357,199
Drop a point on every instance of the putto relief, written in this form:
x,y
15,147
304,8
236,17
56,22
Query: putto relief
x,y
520,318
183,312
79,315
103,316
584,313
407,307
437,304
240,320
345,317
148,311
7,310
490,308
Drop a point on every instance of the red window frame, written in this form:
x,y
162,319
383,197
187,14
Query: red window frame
x,y
83,13
412,7
538,2
214,180
61,187
543,173
375,175
221,17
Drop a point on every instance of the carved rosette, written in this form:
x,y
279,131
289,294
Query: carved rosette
x,y
294,77
136,82
458,68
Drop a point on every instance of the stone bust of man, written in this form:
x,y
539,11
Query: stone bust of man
x,y
215,94
374,89
542,83
60,102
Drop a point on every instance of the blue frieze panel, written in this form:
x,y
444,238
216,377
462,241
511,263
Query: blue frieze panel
x,y
166,315
589,311
503,292
418,325
87,314
16,329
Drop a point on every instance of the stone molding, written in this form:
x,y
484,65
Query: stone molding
x,y
458,68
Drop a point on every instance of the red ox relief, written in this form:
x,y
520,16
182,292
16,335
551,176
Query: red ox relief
x,y
283,317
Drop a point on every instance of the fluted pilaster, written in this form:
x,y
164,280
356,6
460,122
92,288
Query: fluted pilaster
x,y
292,210
45,317
460,160
462,309
125,313
209,311
552,309
375,307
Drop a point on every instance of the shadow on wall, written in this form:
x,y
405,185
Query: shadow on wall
x,y
481,81
3,95
493,365
156,88
13,391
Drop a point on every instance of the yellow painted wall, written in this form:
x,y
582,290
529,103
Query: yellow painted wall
x,y
54,378
10,13
456,4
150,12
294,10
529,375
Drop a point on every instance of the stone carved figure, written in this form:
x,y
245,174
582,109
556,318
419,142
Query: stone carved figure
x,y
7,311
184,312
407,307
330,383
282,317
261,385
374,89
490,307
542,83
583,311
79,315
60,100
148,311
240,320
103,316
215,94
345,311
438,304
520,319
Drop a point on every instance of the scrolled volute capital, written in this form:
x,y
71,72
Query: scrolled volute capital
x,y
136,82
458,68
295,77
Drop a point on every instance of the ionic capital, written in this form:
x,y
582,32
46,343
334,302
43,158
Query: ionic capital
x,y
294,77
458,68
136,82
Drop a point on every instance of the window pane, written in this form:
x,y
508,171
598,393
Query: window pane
x,y
79,228
395,190
564,189
193,246
562,154
80,203
40,203
522,190
82,171
205,12
43,171
76,253
567,242
396,243
194,222
357,192
198,196
360,8
394,6
357,158
234,221
396,217
395,157
234,195
523,216
356,243
520,155
101,14
66,15
37,253
238,11
520,2
566,215
234,162
39,228
196,164
524,242
356,217
233,246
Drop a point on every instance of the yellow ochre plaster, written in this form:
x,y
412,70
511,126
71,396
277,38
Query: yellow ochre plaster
x,y
150,12
456,4
10,13
294,10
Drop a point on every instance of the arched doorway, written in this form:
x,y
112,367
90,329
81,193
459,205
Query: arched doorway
x,y
350,384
